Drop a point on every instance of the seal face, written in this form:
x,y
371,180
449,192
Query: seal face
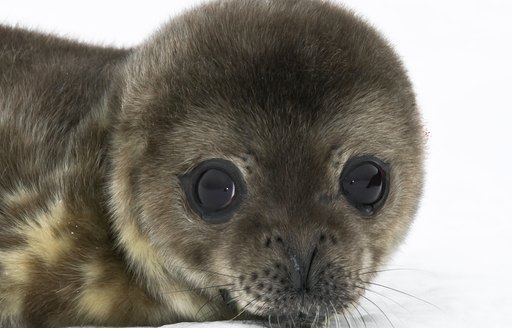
x,y
251,159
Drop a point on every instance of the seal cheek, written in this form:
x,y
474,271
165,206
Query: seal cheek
x,y
197,256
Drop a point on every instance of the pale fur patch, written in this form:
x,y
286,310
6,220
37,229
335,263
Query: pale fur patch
x,y
41,243
141,255
97,302
188,304
22,195
40,234
14,276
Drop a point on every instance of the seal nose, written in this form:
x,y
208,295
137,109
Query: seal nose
x,y
301,270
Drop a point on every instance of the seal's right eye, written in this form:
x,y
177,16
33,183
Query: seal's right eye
x,y
214,189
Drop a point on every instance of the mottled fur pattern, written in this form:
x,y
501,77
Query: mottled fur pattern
x,y
94,226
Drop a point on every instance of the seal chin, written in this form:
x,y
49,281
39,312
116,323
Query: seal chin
x,y
299,313
317,318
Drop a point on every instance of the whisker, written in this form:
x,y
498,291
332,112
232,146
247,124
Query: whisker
x,y
390,269
346,319
357,270
368,313
353,319
326,312
327,317
261,306
207,271
313,323
384,296
402,292
385,315
196,289
336,317
233,299
209,301
360,315
242,310
291,320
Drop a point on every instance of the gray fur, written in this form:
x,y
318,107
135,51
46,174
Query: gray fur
x,y
94,226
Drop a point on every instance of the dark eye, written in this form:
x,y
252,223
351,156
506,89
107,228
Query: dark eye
x,y
214,189
364,182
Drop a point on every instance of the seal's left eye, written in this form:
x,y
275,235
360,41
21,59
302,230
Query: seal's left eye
x,y
365,183
214,189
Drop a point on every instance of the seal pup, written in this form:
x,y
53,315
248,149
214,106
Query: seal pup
x,y
251,158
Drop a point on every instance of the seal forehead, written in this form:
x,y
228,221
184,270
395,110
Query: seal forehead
x,y
273,53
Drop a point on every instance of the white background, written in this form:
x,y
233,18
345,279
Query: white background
x,y
459,56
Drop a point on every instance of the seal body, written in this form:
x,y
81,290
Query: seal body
x,y
107,158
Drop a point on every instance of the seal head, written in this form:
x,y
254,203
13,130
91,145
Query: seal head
x,y
268,154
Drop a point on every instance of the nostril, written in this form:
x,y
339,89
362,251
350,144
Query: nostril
x,y
310,264
300,273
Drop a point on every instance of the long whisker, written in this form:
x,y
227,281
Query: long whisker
x,y
402,292
368,313
385,315
327,317
313,323
346,319
232,300
242,310
384,296
357,270
209,301
360,315
261,306
291,320
390,269
207,271
198,289
336,315
352,317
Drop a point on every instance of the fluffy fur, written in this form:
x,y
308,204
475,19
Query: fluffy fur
x,y
95,228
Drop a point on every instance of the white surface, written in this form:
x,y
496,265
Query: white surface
x,y
459,55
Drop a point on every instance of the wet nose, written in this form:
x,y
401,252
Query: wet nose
x,y
301,269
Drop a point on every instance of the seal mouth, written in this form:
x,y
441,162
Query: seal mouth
x,y
299,318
